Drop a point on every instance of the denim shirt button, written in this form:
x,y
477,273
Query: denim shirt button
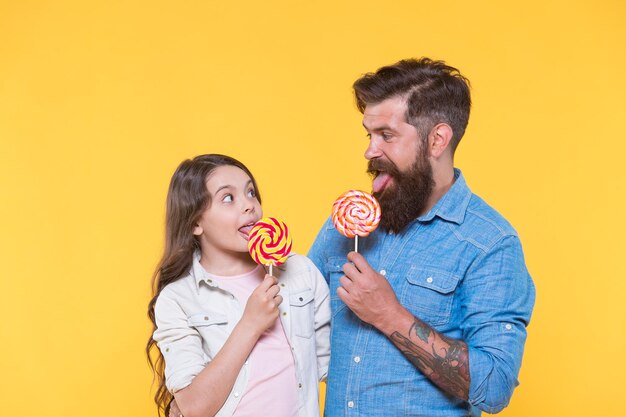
x,y
383,272
357,359
350,404
429,280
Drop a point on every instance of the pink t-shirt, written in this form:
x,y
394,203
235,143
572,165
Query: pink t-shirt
x,y
271,388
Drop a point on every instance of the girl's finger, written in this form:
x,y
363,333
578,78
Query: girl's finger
x,y
278,300
268,281
273,290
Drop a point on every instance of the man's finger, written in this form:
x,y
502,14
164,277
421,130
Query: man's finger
x,y
359,261
351,271
346,283
343,294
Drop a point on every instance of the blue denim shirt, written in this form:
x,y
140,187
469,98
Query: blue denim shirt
x,y
459,268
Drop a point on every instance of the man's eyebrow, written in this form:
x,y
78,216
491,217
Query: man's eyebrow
x,y
380,127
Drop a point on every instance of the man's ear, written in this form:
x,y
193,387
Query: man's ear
x,y
197,230
439,138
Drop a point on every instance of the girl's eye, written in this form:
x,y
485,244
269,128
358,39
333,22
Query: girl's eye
x,y
251,193
228,198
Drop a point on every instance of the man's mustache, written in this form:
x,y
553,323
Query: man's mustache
x,y
374,166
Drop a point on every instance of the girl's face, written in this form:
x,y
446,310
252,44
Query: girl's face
x,y
225,224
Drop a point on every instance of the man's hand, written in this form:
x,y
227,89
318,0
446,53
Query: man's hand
x,y
368,294
174,410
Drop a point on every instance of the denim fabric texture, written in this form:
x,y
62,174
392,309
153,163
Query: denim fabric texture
x,y
460,268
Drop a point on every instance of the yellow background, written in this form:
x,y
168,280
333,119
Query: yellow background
x,y
100,100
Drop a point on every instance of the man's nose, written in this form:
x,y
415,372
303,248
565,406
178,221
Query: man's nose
x,y
373,150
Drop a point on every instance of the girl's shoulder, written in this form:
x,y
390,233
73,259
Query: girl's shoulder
x,y
296,261
182,287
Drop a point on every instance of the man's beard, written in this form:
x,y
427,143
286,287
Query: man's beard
x,y
403,201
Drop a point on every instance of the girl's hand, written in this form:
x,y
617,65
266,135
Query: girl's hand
x,y
261,309
174,410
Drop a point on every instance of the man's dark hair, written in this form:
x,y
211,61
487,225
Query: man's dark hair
x,y
434,93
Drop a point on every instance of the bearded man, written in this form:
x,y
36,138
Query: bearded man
x,y
430,318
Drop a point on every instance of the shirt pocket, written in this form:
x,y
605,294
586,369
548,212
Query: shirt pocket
x,y
301,302
334,267
429,293
213,328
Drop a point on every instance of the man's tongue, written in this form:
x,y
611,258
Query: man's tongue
x,y
380,182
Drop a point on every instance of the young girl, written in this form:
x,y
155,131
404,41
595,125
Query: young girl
x,y
234,341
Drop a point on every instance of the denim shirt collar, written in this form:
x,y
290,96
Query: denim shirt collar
x,y
453,205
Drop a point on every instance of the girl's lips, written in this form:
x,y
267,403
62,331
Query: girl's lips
x,y
380,182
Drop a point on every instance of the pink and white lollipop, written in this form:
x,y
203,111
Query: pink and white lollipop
x,y
356,213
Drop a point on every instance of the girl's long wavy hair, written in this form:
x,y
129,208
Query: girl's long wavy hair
x,y
187,199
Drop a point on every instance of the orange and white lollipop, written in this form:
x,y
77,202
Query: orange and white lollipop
x,y
269,242
356,213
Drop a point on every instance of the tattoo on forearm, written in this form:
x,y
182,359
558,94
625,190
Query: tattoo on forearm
x,y
443,360
421,330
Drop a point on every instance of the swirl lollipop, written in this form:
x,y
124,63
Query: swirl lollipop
x,y
269,242
356,213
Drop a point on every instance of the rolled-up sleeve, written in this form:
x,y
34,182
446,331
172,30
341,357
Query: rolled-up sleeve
x,y
498,296
180,344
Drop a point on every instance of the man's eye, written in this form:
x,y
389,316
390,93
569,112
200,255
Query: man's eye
x,y
369,136
386,136
228,198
